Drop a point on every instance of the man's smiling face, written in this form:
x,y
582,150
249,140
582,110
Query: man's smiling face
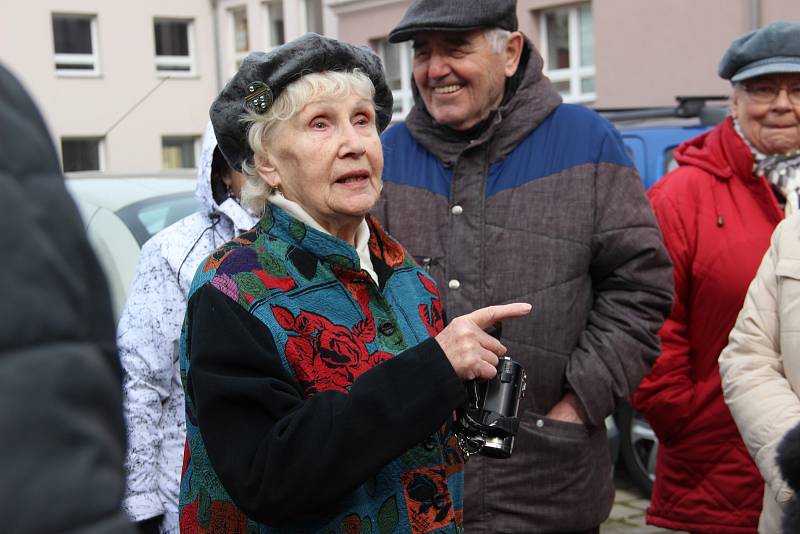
x,y
460,77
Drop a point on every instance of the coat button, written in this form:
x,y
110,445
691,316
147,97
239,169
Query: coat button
x,y
387,328
539,423
454,284
456,210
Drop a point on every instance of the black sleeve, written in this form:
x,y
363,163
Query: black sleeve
x,y
150,526
62,434
280,455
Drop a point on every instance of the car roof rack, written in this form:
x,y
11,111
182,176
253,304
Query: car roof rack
x,y
687,107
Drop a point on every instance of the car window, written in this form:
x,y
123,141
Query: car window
x,y
669,161
150,216
635,148
629,152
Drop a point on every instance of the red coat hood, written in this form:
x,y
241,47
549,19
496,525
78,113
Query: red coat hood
x,y
720,152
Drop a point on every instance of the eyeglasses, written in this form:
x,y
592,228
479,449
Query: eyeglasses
x,y
766,93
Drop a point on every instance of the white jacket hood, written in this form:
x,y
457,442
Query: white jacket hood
x,y
241,218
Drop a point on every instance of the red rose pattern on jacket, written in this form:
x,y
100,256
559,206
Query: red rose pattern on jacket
x,y
432,316
429,503
324,355
329,352
357,283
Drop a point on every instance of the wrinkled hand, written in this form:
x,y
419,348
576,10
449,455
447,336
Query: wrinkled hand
x,y
472,352
568,409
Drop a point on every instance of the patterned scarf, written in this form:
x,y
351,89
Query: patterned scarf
x,y
781,170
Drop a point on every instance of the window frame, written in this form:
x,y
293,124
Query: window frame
x,y
575,73
265,6
77,59
306,22
176,61
236,56
101,151
194,139
404,95
130,214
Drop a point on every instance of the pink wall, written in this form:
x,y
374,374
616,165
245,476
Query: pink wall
x,y
371,23
780,9
646,51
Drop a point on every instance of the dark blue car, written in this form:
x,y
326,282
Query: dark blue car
x,y
651,134
650,148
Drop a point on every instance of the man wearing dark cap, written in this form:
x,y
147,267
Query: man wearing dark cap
x,y
505,193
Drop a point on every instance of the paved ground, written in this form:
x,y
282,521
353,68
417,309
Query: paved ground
x,y
627,515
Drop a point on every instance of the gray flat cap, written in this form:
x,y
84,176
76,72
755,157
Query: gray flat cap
x,y
455,16
775,48
263,76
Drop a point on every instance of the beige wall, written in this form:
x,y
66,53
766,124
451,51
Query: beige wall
x,y
646,52
90,106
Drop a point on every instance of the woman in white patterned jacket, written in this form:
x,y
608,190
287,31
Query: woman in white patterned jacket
x,y
148,334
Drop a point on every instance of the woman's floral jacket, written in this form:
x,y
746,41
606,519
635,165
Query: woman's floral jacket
x,y
316,400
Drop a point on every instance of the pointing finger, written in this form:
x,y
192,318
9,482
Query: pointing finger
x,y
486,317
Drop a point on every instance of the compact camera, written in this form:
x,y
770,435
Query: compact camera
x,y
488,423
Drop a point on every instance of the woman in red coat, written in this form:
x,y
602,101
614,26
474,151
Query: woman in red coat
x,y
717,212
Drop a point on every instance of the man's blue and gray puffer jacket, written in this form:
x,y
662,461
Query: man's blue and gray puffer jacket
x,y
543,206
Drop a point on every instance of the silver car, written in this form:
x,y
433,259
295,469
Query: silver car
x,y
121,212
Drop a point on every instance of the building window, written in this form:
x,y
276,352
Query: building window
x,y
174,47
568,50
397,62
276,34
75,45
179,152
241,35
81,154
314,16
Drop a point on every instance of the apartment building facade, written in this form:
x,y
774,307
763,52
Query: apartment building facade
x,y
604,53
125,87
246,25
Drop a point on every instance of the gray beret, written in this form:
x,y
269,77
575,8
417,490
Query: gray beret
x,y
455,16
263,76
775,48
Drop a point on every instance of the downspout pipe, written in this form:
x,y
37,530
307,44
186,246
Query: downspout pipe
x,y
215,30
755,14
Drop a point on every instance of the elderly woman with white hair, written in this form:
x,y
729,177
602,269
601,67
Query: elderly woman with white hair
x,y
320,382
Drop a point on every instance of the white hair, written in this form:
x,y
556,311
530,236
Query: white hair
x,y
294,97
497,39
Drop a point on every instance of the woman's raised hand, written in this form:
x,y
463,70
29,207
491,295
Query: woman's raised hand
x,y
472,352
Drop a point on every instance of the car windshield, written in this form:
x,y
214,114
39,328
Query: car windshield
x,y
148,217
